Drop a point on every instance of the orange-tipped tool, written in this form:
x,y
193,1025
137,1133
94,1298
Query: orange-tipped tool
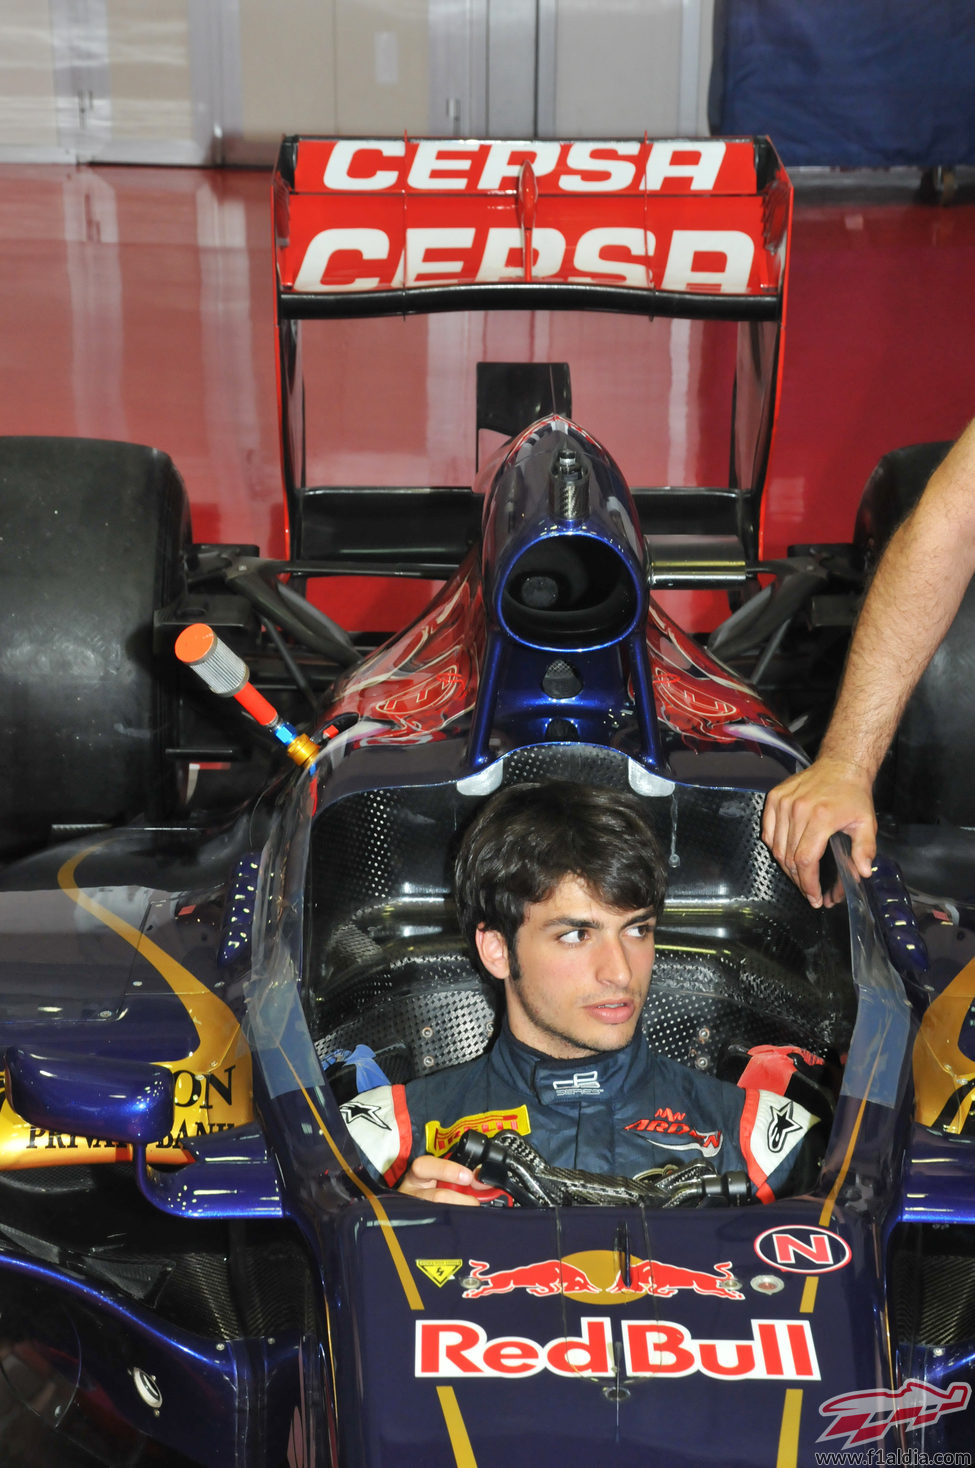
x,y
199,647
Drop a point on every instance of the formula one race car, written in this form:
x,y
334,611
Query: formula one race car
x,y
205,955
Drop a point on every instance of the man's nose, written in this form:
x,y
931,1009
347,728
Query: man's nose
x,y
614,963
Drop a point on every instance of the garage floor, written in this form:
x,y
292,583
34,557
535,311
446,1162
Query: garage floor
x,y
136,303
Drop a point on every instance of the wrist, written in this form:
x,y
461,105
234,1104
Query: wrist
x,y
852,769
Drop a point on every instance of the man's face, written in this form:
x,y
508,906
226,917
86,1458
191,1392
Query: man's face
x,y
584,972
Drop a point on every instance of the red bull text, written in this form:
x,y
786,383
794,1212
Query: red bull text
x,y
778,1350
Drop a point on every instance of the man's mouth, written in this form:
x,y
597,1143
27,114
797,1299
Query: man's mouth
x,y
612,1011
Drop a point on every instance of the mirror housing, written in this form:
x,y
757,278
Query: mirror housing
x,y
124,1101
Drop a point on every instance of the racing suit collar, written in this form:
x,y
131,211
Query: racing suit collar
x,y
568,1082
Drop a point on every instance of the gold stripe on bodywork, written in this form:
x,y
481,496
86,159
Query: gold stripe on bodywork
x,y
942,1071
410,1290
213,1081
788,1451
216,1025
456,1430
221,1042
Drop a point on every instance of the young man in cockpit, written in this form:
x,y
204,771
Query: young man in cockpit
x,y
558,888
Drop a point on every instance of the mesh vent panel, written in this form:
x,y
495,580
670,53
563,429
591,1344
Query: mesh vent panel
x,y
742,956
441,1018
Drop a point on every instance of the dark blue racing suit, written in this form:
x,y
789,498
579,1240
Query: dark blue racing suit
x,y
624,1112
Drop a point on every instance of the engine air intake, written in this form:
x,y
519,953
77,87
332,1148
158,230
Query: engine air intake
x,y
570,591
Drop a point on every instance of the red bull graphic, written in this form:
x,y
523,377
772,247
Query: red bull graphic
x,y
690,706
425,678
549,1277
411,704
778,1350
695,694
598,1275
650,1277
867,1416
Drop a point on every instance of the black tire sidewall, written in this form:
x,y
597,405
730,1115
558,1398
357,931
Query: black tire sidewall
x,y
928,775
91,541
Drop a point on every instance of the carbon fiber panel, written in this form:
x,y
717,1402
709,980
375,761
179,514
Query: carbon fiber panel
x,y
932,1280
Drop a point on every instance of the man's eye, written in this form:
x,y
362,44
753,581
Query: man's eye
x,y
573,936
641,930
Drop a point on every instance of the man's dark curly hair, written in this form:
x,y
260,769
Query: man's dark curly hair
x,y
527,838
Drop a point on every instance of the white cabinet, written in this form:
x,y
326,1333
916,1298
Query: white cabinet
x,y
209,81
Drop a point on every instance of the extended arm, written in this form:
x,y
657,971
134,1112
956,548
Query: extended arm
x,y
912,601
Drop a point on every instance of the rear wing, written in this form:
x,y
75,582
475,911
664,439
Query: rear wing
x,y
684,228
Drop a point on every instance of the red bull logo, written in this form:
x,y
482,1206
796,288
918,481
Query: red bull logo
x,y
417,698
548,1277
598,1276
867,1416
651,1277
778,1350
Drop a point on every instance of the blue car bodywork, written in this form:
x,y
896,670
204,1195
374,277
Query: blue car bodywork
x,y
194,1266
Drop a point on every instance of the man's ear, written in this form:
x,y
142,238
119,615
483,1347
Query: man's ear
x,y
492,950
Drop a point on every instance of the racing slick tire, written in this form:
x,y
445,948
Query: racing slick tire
x,y
91,540
928,775
890,493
